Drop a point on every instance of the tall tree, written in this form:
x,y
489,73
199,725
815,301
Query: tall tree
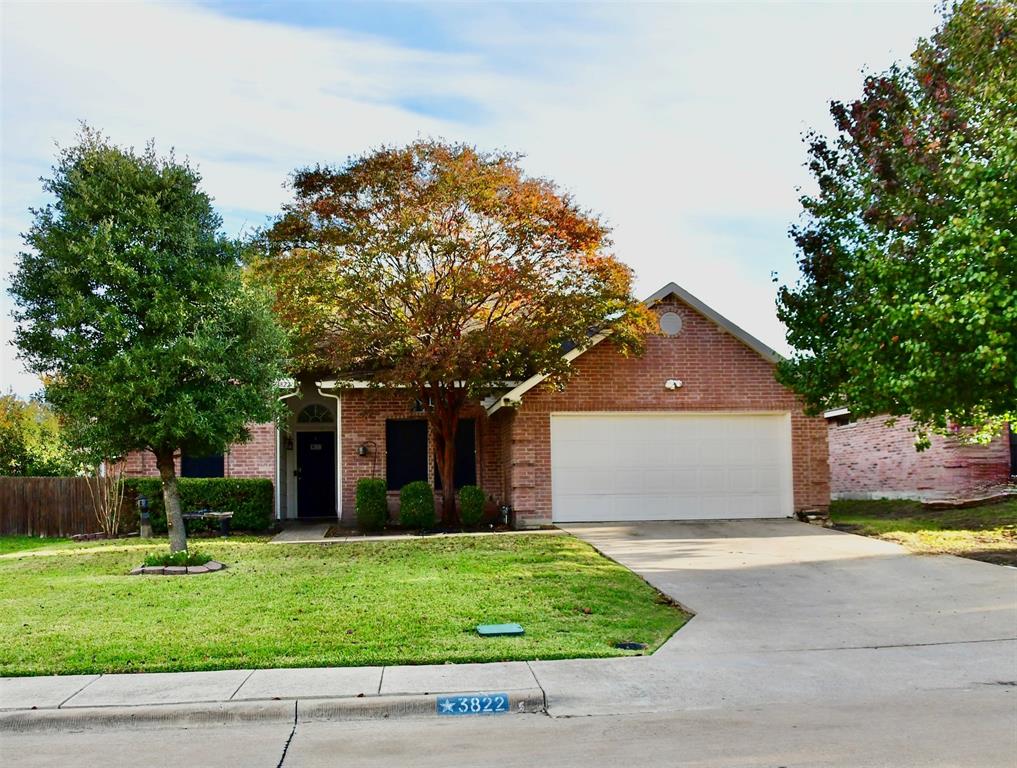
x,y
133,309
32,442
907,303
445,271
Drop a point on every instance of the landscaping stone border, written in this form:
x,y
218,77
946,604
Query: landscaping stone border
x,y
177,570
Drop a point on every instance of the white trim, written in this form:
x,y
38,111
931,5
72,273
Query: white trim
x,y
832,414
514,397
342,384
278,460
658,413
319,385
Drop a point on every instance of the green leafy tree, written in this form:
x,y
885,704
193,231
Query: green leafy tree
x,y
907,303
134,310
32,443
444,272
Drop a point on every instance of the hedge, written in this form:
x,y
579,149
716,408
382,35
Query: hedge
x,y
249,499
416,505
471,505
372,504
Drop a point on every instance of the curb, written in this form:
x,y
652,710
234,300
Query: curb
x,y
420,706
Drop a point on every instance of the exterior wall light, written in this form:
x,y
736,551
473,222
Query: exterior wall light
x,y
673,384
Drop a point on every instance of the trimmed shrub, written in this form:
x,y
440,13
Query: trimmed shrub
x,y
249,499
471,505
372,504
416,505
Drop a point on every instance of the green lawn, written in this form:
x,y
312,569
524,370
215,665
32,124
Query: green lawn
x,y
988,532
71,608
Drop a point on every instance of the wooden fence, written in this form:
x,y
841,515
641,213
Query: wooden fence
x,y
46,506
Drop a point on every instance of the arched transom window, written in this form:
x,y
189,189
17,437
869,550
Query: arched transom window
x,y
314,414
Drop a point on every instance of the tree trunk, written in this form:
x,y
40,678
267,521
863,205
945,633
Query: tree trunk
x,y
171,501
445,421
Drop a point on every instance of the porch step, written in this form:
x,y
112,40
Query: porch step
x,y
298,533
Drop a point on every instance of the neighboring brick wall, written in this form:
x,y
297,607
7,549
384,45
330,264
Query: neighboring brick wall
x,y
869,459
719,373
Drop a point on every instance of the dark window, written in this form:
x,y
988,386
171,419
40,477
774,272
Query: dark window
x,y
1013,451
202,466
405,452
466,456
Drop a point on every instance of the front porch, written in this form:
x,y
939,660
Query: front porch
x,y
334,436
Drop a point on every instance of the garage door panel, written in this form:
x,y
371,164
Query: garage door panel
x,y
670,466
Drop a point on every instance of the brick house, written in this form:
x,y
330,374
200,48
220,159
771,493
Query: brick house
x,y
870,460
696,428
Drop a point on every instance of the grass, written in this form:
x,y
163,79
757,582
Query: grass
x,y
70,607
987,533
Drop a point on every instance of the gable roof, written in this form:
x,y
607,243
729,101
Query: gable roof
x,y
739,333
515,395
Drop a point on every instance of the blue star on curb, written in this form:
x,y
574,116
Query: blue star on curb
x,y
446,706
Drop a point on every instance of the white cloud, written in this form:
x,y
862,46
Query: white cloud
x,y
660,117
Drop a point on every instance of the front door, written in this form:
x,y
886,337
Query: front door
x,y
316,474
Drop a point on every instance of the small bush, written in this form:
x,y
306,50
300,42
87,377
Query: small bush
x,y
372,504
416,505
186,557
471,505
249,499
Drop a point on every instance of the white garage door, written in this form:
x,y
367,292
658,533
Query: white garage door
x,y
623,466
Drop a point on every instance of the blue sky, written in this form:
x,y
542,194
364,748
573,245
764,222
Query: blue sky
x,y
679,123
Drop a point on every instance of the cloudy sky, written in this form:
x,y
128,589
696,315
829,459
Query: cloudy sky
x,y
680,123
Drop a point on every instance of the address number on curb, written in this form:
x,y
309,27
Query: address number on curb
x,y
473,704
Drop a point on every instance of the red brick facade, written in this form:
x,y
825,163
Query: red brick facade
x,y
869,459
720,373
255,458
364,413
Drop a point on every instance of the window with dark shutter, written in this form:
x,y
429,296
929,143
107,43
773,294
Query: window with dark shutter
x,y
405,452
202,466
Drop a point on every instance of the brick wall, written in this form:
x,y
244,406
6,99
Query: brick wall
x,y
255,458
869,459
364,412
719,373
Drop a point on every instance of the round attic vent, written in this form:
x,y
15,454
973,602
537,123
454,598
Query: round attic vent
x,y
670,323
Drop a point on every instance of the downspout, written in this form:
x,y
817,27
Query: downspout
x,y
278,460
338,448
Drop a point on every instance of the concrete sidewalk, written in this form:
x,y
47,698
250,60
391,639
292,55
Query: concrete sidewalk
x,y
345,693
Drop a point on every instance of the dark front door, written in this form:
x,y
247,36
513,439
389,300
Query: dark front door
x,y
316,474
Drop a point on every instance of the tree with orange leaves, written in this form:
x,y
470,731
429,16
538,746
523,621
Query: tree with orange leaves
x,y
445,271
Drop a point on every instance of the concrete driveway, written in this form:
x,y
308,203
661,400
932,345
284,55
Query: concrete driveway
x,y
788,613
768,585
